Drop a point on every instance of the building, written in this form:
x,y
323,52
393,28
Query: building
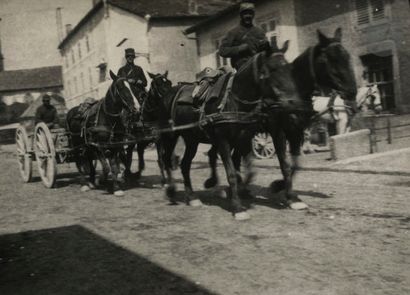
x,y
24,86
375,32
153,28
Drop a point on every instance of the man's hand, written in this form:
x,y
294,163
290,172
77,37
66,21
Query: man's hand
x,y
139,82
132,81
263,45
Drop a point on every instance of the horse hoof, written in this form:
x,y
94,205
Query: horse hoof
x,y
298,206
171,191
210,183
241,216
85,188
195,203
119,193
277,186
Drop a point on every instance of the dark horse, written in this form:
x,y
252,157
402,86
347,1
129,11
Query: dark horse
x,y
150,119
99,133
265,75
324,67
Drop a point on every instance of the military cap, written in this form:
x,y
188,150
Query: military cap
x,y
130,52
46,97
246,6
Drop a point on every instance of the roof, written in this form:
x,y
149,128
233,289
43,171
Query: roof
x,y
30,79
56,100
156,9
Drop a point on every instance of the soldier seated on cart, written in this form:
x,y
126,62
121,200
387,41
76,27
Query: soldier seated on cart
x,y
47,113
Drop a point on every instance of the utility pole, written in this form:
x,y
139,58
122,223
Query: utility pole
x,y
59,22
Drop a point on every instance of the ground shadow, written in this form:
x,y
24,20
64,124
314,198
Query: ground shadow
x,y
74,260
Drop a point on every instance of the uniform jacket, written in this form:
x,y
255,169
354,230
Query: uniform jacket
x,y
131,71
46,114
241,43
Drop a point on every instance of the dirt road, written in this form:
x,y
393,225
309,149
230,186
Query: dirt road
x,y
354,239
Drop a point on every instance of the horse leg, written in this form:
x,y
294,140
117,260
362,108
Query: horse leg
x,y
191,148
237,158
212,181
115,170
295,143
82,158
244,150
279,141
128,160
91,182
239,211
169,143
105,167
141,163
160,154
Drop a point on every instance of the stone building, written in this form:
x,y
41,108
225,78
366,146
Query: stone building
x,y
376,33
153,28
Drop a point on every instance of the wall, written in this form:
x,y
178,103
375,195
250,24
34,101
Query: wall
x,y
85,70
28,30
171,50
392,34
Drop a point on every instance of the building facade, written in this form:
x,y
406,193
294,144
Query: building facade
x,y
155,30
375,32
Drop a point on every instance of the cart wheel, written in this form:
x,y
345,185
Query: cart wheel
x,y
262,146
24,156
45,154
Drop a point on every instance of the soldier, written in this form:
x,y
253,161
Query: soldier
x,y
47,113
134,74
245,40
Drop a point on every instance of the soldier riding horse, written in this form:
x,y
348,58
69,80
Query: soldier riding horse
x,y
227,121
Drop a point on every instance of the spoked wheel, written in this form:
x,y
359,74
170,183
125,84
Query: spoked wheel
x,y
262,146
24,156
45,154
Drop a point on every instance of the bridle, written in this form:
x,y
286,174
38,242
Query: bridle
x,y
153,92
322,57
116,93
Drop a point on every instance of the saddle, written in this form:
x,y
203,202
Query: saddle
x,y
211,84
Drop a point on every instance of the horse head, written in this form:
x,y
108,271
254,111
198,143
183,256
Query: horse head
x,y
331,65
160,85
276,73
121,95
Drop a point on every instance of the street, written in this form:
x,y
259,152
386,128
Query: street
x,y
354,238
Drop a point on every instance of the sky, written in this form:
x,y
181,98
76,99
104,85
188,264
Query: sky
x,y
28,30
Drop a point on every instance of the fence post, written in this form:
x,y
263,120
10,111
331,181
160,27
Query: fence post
x,y
373,139
389,138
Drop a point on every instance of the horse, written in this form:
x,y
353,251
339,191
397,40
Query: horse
x,y
160,85
325,66
368,101
266,75
99,133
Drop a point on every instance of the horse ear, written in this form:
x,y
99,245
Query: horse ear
x,y
152,76
323,40
285,46
113,76
338,34
166,74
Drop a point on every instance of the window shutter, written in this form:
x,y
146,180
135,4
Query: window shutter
x,y
377,9
362,9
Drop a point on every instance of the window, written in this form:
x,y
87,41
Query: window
x,y
87,43
369,11
269,27
72,57
82,82
379,68
90,75
103,71
220,61
68,88
79,50
66,62
75,86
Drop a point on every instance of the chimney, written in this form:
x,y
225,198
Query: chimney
x,y
68,28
